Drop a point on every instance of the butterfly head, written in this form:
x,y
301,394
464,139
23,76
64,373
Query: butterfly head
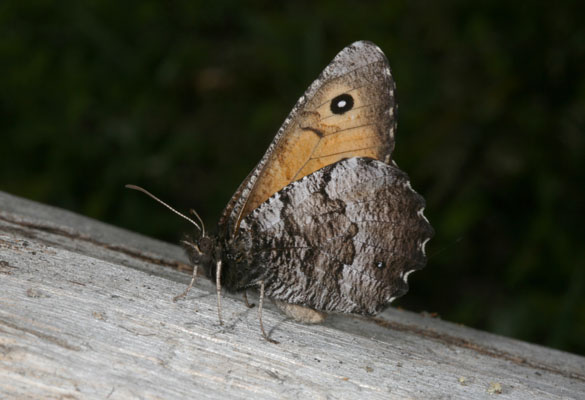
x,y
203,253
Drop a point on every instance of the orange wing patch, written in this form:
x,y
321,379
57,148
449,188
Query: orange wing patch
x,y
320,137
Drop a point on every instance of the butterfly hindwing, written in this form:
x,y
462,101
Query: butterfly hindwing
x,y
341,239
348,111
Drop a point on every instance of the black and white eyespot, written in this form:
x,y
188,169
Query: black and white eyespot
x,y
342,104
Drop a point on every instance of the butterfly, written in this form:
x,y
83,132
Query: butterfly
x,y
326,222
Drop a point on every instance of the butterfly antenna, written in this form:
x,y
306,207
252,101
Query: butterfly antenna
x,y
152,196
200,220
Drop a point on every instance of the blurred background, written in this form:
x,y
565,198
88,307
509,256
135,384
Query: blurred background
x,y
183,97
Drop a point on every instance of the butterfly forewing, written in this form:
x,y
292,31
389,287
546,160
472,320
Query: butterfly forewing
x,y
348,111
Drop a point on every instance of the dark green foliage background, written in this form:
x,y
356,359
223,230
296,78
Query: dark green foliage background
x,y
183,98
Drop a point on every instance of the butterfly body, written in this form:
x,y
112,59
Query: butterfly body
x,y
326,220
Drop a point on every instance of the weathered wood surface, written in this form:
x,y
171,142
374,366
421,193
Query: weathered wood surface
x,y
86,312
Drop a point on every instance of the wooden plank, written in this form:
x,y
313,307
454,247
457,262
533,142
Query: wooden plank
x,y
86,312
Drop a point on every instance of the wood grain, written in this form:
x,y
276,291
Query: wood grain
x,y
86,312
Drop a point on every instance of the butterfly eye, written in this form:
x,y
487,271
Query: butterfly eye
x,y
380,264
341,104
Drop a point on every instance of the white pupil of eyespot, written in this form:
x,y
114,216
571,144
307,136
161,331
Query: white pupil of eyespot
x,y
341,103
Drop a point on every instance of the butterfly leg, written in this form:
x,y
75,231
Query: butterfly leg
x,y
248,304
192,247
218,289
193,277
260,303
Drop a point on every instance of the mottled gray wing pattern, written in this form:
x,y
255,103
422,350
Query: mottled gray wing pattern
x,y
343,239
